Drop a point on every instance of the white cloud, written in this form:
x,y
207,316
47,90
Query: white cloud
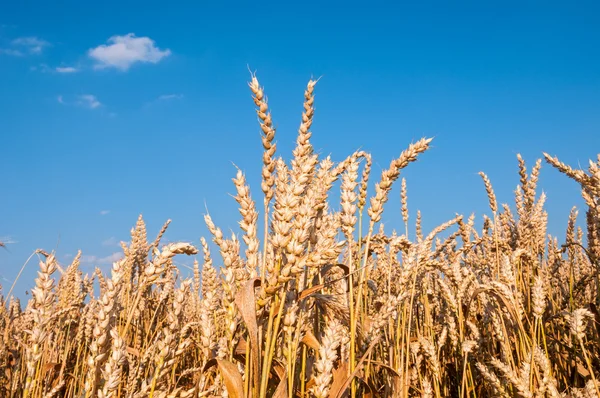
x,y
32,45
112,241
124,51
86,101
22,46
95,260
163,98
167,97
66,69
89,101
104,212
44,68
12,52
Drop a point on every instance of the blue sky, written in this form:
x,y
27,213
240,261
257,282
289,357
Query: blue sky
x,y
109,110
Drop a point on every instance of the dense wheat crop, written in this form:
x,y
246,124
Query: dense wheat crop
x,y
325,304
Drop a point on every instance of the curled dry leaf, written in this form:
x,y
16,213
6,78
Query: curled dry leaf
x,y
339,388
231,376
246,302
310,340
282,388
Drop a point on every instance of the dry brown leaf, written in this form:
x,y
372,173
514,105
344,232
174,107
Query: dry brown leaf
x,y
307,292
232,377
282,390
340,392
310,340
340,374
246,301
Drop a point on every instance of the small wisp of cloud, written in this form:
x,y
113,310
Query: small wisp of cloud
x,y
41,68
97,260
44,68
168,97
104,212
111,242
164,98
66,69
89,101
11,52
122,52
28,45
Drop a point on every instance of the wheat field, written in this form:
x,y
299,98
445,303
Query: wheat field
x,y
325,303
